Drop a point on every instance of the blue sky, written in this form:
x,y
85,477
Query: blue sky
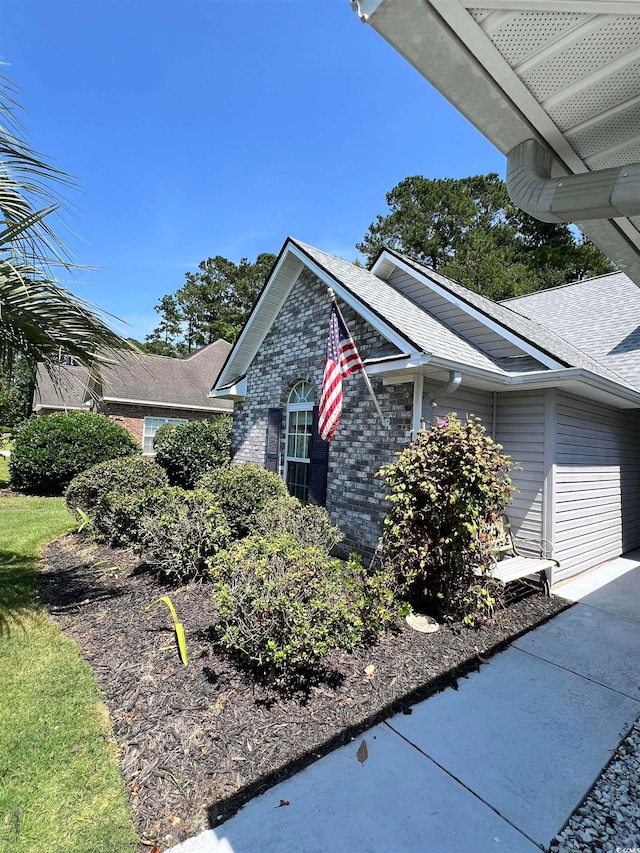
x,y
205,127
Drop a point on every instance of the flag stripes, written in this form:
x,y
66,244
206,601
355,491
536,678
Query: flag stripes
x,y
342,359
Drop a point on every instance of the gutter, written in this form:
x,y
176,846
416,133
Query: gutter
x,y
163,404
603,194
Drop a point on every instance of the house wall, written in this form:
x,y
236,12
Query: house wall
x,y
294,349
132,416
597,473
520,429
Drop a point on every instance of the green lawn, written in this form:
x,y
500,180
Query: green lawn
x,y
4,473
60,787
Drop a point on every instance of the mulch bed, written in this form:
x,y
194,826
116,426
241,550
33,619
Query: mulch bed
x,y
198,742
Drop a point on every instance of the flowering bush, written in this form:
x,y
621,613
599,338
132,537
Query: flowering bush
x,y
448,490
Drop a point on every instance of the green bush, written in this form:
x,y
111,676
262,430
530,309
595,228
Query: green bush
x,y
179,532
49,451
187,451
306,523
118,515
241,492
282,605
448,489
127,474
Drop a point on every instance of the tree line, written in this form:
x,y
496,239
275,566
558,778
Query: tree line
x,y
467,229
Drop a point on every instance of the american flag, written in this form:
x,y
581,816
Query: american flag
x,y
341,361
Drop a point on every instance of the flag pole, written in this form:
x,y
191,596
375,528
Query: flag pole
x,y
386,423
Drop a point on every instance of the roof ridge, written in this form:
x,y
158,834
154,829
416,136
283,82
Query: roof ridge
x,y
560,286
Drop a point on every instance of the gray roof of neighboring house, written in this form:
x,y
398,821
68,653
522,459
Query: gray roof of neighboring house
x,y
69,394
546,336
426,333
599,315
182,382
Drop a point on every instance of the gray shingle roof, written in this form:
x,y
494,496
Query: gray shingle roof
x,y
174,381
544,337
424,332
184,382
70,395
599,315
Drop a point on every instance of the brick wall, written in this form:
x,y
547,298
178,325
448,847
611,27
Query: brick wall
x,y
132,416
294,349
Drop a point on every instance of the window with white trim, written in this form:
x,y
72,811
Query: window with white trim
x,y
297,457
151,427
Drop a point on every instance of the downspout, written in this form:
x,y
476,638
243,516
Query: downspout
x,y
429,401
603,194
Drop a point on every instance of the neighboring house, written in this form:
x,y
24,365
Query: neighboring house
x,y
142,392
554,377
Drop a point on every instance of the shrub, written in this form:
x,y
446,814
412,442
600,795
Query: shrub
x,y
187,451
181,532
118,515
49,451
282,604
306,523
241,492
448,488
127,474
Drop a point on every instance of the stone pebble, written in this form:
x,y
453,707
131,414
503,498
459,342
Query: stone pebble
x,y
609,819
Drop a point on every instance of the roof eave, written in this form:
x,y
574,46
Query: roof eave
x,y
456,57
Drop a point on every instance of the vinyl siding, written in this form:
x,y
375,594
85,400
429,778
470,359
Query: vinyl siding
x,y
455,318
465,402
520,430
597,484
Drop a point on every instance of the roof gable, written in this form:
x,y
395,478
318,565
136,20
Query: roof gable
x,y
403,323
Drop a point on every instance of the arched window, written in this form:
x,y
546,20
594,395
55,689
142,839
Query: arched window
x,y
298,440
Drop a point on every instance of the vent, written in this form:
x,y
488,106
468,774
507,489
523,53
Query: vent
x,y
527,32
596,49
616,89
479,15
611,131
630,154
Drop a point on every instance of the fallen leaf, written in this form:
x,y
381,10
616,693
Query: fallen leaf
x,y
135,788
370,670
363,753
283,803
175,821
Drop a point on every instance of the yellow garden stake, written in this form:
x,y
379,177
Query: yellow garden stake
x,y
178,627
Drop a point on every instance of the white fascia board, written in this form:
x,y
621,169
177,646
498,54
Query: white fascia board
x,y
229,372
588,7
39,406
353,302
410,363
496,327
160,404
237,391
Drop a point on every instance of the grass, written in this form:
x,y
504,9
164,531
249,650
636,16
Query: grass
x,y
4,473
60,787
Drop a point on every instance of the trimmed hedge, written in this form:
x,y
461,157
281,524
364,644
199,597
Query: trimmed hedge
x,y
282,605
187,451
241,492
127,474
50,450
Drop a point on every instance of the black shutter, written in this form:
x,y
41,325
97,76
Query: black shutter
x,y
319,465
272,462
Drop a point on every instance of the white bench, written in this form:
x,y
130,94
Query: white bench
x,y
510,565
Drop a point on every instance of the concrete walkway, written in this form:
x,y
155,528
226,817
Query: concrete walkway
x,y
497,765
